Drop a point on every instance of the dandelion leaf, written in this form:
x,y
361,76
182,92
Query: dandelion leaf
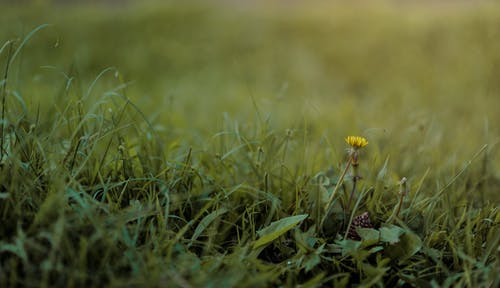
x,y
390,233
311,261
368,236
408,246
278,228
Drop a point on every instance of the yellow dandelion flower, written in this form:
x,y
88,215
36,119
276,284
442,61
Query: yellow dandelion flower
x,y
356,142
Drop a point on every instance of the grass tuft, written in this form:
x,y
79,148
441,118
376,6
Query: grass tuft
x,y
184,178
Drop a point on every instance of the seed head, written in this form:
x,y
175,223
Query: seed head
x,y
361,221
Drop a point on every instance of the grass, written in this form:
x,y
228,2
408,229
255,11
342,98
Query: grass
x,y
198,145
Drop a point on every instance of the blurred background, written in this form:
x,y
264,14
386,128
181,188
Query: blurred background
x,y
422,75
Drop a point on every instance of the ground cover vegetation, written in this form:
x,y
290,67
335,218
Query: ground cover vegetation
x,y
223,145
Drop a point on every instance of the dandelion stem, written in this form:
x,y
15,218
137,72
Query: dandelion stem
x,y
354,181
399,206
334,192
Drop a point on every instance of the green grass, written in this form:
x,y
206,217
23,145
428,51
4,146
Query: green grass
x,y
198,145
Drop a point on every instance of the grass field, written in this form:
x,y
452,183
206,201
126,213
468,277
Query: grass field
x,y
203,145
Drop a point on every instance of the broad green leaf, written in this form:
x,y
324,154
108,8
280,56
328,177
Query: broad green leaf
x,y
311,261
375,249
349,247
206,221
278,228
408,246
390,233
368,236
